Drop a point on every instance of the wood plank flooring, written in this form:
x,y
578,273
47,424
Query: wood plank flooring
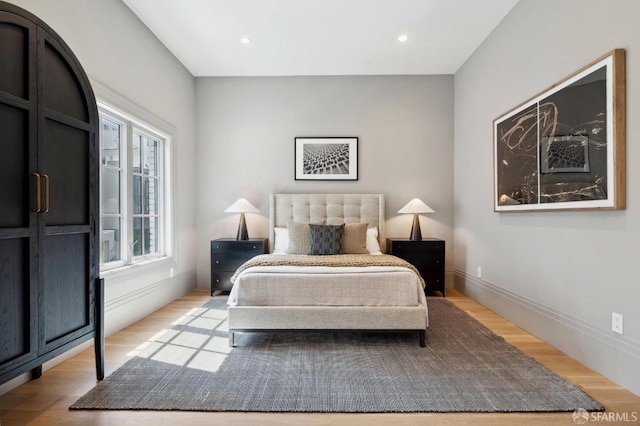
x,y
45,401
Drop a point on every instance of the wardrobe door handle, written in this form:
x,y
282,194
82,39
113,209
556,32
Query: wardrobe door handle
x,y
37,209
46,193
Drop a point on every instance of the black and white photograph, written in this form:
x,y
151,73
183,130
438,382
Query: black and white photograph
x,y
326,158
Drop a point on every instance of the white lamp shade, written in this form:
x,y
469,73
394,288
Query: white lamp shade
x,y
416,206
242,206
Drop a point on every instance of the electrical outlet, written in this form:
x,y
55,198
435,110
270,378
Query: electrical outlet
x,y
479,272
616,322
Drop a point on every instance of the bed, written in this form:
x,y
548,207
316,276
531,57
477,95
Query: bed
x,y
292,290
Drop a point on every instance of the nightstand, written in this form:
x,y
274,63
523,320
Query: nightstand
x,y
227,254
426,255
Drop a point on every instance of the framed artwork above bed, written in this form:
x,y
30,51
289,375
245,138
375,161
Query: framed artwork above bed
x,y
326,158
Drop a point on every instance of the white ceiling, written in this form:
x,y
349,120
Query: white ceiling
x,y
321,37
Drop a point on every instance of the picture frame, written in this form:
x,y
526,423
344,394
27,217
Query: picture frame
x,y
564,149
326,158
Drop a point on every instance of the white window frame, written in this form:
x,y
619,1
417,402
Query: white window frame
x,y
156,130
161,209
123,199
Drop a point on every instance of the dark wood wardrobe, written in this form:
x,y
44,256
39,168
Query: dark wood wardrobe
x,y
51,296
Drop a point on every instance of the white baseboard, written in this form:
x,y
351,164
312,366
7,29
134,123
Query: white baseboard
x,y
122,311
615,357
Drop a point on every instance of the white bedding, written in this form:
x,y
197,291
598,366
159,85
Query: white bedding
x,y
327,286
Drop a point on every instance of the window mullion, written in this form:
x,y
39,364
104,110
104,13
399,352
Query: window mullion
x,y
161,200
144,201
128,191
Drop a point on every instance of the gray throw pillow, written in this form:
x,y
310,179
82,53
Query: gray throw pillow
x,y
326,239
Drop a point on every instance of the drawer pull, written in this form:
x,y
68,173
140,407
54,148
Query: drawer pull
x,y
217,261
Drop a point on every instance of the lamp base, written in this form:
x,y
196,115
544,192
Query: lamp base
x,y
416,234
243,234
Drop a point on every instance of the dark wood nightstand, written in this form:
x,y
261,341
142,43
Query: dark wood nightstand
x,y
227,254
426,255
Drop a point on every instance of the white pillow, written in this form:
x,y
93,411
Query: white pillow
x,y
281,243
372,241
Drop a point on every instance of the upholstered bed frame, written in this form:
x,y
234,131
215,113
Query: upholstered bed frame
x,y
334,209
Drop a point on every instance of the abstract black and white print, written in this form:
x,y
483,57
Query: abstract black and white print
x,y
326,159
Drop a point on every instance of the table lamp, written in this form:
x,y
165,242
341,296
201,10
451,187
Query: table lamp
x,y
416,206
242,206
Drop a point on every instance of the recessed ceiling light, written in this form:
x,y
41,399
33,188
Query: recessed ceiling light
x,y
245,40
402,38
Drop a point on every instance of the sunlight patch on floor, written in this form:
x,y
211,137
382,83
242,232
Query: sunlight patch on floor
x,y
218,344
172,354
207,361
190,348
205,323
215,313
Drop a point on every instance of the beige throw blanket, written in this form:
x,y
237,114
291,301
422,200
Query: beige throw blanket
x,y
336,260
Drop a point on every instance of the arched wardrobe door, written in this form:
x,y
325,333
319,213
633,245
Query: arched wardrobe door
x,y
67,153
49,197
18,223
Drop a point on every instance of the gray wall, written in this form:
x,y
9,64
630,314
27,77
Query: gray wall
x,y
246,131
559,275
127,63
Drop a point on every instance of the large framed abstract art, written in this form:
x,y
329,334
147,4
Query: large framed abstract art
x,y
564,149
326,158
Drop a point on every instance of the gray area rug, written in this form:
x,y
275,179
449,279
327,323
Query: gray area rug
x,y
464,368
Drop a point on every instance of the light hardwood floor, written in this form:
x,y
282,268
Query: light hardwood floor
x,y
45,401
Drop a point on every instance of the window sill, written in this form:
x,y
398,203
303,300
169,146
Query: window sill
x,y
136,269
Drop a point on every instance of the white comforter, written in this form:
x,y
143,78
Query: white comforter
x,y
327,286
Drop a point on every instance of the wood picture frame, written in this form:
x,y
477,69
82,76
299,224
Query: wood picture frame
x,y
564,149
326,158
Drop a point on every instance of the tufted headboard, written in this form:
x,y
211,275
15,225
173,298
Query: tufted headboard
x,y
333,208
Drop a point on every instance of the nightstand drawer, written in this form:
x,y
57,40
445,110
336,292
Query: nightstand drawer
x,y
424,261
433,280
234,246
225,261
401,247
221,280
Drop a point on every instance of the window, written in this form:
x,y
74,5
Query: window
x,y
111,178
132,182
146,197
